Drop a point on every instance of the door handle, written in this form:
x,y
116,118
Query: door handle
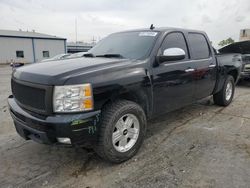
x,y
211,66
189,70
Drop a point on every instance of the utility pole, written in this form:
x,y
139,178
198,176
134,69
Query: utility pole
x,y
76,29
93,40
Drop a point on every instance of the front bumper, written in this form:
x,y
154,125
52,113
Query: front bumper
x,y
80,128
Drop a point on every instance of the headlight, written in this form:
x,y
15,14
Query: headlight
x,y
73,98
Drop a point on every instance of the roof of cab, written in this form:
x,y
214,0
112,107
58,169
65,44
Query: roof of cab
x,y
163,29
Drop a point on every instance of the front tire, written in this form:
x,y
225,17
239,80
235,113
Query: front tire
x,y
123,127
225,96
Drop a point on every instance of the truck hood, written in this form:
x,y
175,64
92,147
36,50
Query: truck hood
x,y
242,47
57,72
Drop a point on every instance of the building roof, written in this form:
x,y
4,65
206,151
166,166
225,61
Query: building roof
x,y
27,34
163,29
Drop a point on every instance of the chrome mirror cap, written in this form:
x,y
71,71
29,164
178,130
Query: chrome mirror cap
x,y
174,52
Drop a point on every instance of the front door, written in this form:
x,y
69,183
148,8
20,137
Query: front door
x,y
173,82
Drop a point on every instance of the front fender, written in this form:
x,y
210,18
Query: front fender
x,y
130,82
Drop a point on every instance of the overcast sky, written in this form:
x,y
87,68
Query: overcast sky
x,y
220,19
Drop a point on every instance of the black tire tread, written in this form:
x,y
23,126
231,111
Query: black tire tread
x,y
219,98
109,111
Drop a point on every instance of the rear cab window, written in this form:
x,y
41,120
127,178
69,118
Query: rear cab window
x,y
198,45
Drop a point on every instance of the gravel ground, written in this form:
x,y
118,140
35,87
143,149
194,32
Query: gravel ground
x,y
201,145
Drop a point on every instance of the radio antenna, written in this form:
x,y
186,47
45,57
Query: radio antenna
x,y
152,26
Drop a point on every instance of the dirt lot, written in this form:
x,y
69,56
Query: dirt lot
x,y
202,145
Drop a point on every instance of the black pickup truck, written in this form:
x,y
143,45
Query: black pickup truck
x,y
103,100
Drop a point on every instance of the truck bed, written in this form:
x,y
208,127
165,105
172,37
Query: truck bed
x,y
229,59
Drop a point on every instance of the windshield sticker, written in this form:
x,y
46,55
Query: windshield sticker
x,y
148,34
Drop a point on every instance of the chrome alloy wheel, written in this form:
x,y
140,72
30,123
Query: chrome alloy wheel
x,y
229,90
126,133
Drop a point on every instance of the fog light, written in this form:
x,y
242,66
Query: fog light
x,y
64,140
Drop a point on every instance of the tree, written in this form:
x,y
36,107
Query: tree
x,y
226,42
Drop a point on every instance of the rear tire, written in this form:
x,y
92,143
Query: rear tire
x,y
225,96
123,127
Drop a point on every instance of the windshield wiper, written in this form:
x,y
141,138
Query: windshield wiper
x,y
88,55
110,55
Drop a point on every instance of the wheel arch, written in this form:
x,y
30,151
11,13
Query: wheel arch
x,y
139,96
234,73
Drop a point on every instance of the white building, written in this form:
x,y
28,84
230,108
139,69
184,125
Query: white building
x,y
244,34
29,47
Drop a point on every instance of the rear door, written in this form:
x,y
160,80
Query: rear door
x,y
205,64
173,80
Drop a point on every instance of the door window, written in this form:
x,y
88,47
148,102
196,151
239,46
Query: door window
x,y
175,40
198,46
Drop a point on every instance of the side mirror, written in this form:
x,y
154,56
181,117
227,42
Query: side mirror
x,y
172,54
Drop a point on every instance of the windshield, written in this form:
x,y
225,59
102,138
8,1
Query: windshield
x,y
130,45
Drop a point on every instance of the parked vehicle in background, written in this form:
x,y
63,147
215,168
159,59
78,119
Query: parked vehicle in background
x,y
245,73
16,65
57,57
103,100
242,47
76,55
